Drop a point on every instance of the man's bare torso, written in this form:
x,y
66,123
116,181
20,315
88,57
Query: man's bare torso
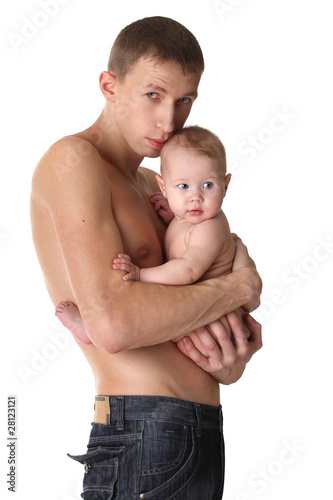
x,y
157,370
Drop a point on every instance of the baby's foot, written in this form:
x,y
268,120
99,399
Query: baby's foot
x,y
70,317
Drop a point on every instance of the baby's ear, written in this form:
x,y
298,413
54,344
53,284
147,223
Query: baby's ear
x,y
160,183
226,181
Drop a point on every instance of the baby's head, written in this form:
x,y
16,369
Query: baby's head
x,y
193,168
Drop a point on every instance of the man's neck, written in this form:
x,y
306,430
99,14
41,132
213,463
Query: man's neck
x,y
105,135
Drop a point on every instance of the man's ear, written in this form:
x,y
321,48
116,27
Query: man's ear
x,y
160,183
107,83
226,182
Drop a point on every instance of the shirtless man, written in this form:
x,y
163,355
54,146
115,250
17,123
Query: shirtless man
x,y
89,202
198,243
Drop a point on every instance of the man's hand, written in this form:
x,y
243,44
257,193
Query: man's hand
x,y
224,347
161,206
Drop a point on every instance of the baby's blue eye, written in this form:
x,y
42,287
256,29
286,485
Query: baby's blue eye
x,y
208,185
183,186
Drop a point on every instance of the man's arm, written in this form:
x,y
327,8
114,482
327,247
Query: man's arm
x,y
122,315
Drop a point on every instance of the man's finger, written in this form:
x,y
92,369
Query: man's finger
x,y
207,345
241,335
223,336
187,347
198,340
256,332
237,324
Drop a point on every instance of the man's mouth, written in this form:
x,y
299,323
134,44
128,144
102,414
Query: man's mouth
x,y
156,144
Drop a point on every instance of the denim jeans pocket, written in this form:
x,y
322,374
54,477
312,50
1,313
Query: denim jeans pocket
x,y
101,472
170,458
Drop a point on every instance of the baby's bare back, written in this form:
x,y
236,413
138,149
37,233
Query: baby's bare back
x,y
223,262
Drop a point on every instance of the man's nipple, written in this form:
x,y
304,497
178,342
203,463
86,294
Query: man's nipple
x,y
143,253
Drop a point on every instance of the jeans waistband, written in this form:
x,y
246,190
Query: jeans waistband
x,y
110,410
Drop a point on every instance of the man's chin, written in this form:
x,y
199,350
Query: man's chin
x,y
155,153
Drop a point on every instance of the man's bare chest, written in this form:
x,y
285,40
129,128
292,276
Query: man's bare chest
x,y
141,230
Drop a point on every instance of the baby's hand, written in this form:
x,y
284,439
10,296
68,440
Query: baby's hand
x,y
123,262
161,206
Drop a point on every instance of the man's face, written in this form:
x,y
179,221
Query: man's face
x,y
153,102
194,184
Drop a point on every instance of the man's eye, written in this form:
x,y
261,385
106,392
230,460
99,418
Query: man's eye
x,y
184,100
152,95
208,185
183,186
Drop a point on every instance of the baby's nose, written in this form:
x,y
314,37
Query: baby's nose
x,y
196,195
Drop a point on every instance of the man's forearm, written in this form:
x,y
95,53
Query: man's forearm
x,y
148,314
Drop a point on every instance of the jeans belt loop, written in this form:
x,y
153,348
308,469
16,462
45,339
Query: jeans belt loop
x,y
120,413
198,415
220,419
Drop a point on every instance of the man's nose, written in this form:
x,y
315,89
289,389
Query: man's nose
x,y
166,119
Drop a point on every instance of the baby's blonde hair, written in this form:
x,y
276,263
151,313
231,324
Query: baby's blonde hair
x,y
199,140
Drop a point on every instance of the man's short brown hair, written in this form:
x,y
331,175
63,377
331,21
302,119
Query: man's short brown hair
x,y
197,139
160,38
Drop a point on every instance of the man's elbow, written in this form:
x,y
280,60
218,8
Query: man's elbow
x,y
258,285
254,292
111,335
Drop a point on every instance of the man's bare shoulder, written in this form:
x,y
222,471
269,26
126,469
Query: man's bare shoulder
x,y
65,155
68,162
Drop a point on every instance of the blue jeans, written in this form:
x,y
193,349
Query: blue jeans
x,y
156,448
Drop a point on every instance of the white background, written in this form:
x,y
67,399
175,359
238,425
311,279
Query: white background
x,y
263,58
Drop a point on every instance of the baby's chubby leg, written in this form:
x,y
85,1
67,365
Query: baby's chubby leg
x,y
70,317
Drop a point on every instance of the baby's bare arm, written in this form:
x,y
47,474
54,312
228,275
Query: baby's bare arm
x,y
207,242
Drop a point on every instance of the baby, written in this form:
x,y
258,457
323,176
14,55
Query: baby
x,y
198,242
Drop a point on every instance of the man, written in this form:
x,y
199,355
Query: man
x,y
89,202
